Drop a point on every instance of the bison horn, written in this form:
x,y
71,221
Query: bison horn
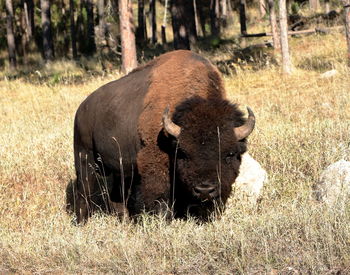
x,y
170,126
246,129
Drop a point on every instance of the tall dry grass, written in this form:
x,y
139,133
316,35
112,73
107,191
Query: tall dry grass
x,y
302,126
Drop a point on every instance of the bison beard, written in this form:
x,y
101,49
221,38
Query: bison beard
x,y
129,151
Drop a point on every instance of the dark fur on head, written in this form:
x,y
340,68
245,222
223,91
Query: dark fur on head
x,y
206,145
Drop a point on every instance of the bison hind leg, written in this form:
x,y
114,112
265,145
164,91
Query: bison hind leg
x,y
87,194
72,201
70,196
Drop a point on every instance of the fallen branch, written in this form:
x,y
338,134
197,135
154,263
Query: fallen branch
x,y
315,30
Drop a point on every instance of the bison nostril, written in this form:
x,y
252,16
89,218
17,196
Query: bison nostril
x,y
204,190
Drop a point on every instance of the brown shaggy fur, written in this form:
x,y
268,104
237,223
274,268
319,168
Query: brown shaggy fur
x,y
177,76
121,121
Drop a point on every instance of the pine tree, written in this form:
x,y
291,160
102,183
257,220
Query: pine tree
x,y
46,25
183,22
274,27
347,25
127,32
286,61
10,35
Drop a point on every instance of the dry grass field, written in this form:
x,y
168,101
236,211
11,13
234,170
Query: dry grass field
x,y
303,125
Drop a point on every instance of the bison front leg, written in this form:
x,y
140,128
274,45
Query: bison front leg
x,y
154,190
86,185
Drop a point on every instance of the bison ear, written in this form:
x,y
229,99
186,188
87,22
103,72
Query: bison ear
x,y
169,126
245,130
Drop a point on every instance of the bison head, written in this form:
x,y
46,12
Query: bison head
x,y
208,138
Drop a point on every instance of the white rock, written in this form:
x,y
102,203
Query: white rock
x,y
250,180
334,184
329,74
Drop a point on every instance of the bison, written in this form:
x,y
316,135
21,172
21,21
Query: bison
x,y
164,137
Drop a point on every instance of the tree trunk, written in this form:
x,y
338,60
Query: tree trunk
x,y
141,32
286,61
24,36
191,22
101,23
152,9
262,8
183,22
29,14
215,18
202,17
164,23
181,39
229,7
242,16
230,15
196,20
347,25
327,8
73,30
10,35
314,4
223,14
46,25
80,28
62,28
91,45
274,27
289,7
127,33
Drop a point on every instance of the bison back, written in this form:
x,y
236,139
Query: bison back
x,y
106,121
